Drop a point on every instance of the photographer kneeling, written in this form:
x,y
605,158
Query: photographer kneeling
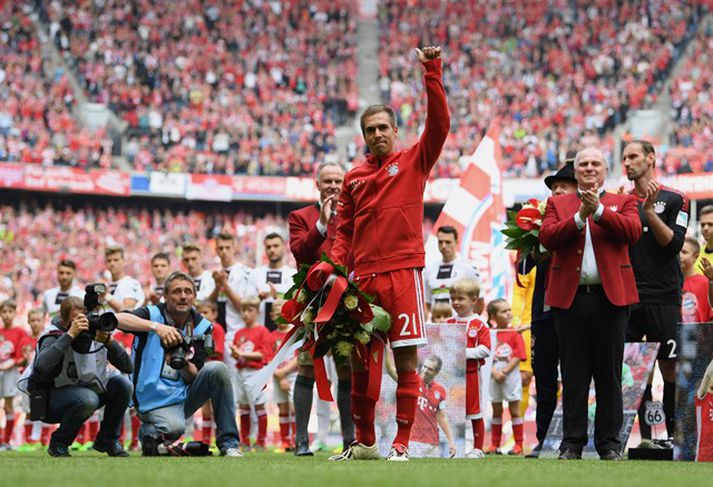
x,y
69,380
171,378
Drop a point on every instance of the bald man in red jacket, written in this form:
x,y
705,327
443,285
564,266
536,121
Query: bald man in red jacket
x,y
590,287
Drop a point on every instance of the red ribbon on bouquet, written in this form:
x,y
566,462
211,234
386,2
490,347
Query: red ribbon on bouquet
x,y
371,357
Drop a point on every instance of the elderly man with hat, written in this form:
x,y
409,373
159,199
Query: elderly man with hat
x,y
545,349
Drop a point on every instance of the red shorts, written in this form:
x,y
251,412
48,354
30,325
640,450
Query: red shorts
x,y
472,395
400,293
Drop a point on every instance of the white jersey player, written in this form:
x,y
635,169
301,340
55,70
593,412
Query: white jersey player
x,y
439,276
125,293
193,262
52,298
273,280
232,283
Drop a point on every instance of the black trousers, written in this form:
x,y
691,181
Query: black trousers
x,y
591,339
545,359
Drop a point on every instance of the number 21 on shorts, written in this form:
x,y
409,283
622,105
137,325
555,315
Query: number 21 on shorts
x,y
409,325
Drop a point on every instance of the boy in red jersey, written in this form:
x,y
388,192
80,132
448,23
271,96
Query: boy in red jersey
x,y
379,219
505,383
209,310
11,339
464,298
251,352
697,295
283,379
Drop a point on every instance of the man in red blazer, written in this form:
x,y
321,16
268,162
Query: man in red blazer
x,y
590,287
312,232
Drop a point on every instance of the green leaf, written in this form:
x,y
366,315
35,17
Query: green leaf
x,y
381,321
367,327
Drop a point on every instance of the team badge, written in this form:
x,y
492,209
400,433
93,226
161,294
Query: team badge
x,y
613,207
659,207
472,333
393,169
437,395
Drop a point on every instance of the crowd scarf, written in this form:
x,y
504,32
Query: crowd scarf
x,y
319,277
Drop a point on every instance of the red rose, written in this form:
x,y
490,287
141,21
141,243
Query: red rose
x,y
529,219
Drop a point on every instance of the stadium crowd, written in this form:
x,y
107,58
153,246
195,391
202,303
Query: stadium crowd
x,y
690,92
552,72
36,101
271,106
238,88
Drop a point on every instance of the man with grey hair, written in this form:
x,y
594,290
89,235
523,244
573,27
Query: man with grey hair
x,y
591,286
171,376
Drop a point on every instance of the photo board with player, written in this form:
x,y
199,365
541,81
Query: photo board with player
x,y
693,438
639,360
441,401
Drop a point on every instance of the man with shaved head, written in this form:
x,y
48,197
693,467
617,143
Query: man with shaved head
x,y
591,286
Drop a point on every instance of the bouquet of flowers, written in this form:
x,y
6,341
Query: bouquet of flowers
x,y
331,313
522,228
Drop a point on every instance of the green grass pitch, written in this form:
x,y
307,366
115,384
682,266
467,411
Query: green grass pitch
x,y
96,470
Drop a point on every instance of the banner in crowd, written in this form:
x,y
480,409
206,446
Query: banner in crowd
x,y
209,187
693,438
639,360
476,210
441,402
275,188
74,180
12,175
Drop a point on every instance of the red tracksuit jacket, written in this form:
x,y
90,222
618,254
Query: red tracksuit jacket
x,y
380,209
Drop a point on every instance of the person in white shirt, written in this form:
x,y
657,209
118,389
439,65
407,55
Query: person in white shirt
x,y
232,283
160,268
193,262
124,293
274,279
439,276
52,298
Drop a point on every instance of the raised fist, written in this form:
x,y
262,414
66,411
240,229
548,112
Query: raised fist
x,y
428,53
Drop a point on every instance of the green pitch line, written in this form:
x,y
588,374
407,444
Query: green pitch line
x,y
256,469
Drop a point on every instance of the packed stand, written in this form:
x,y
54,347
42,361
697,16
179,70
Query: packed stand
x,y
692,139
553,72
36,124
226,87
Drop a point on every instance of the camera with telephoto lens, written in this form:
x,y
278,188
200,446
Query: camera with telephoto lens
x,y
105,322
177,353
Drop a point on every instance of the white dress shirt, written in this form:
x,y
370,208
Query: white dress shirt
x,y
590,271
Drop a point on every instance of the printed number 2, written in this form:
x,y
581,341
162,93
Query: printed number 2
x,y
672,353
408,320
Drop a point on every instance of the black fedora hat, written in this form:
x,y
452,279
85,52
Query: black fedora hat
x,y
565,173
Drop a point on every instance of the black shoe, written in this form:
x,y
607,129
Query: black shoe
x,y
535,453
569,454
57,450
149,446
111,448
302,449
610,455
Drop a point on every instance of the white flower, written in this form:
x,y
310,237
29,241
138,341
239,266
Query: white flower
x,y
363,337
307,316
351,302
302,296
343,348
541,207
